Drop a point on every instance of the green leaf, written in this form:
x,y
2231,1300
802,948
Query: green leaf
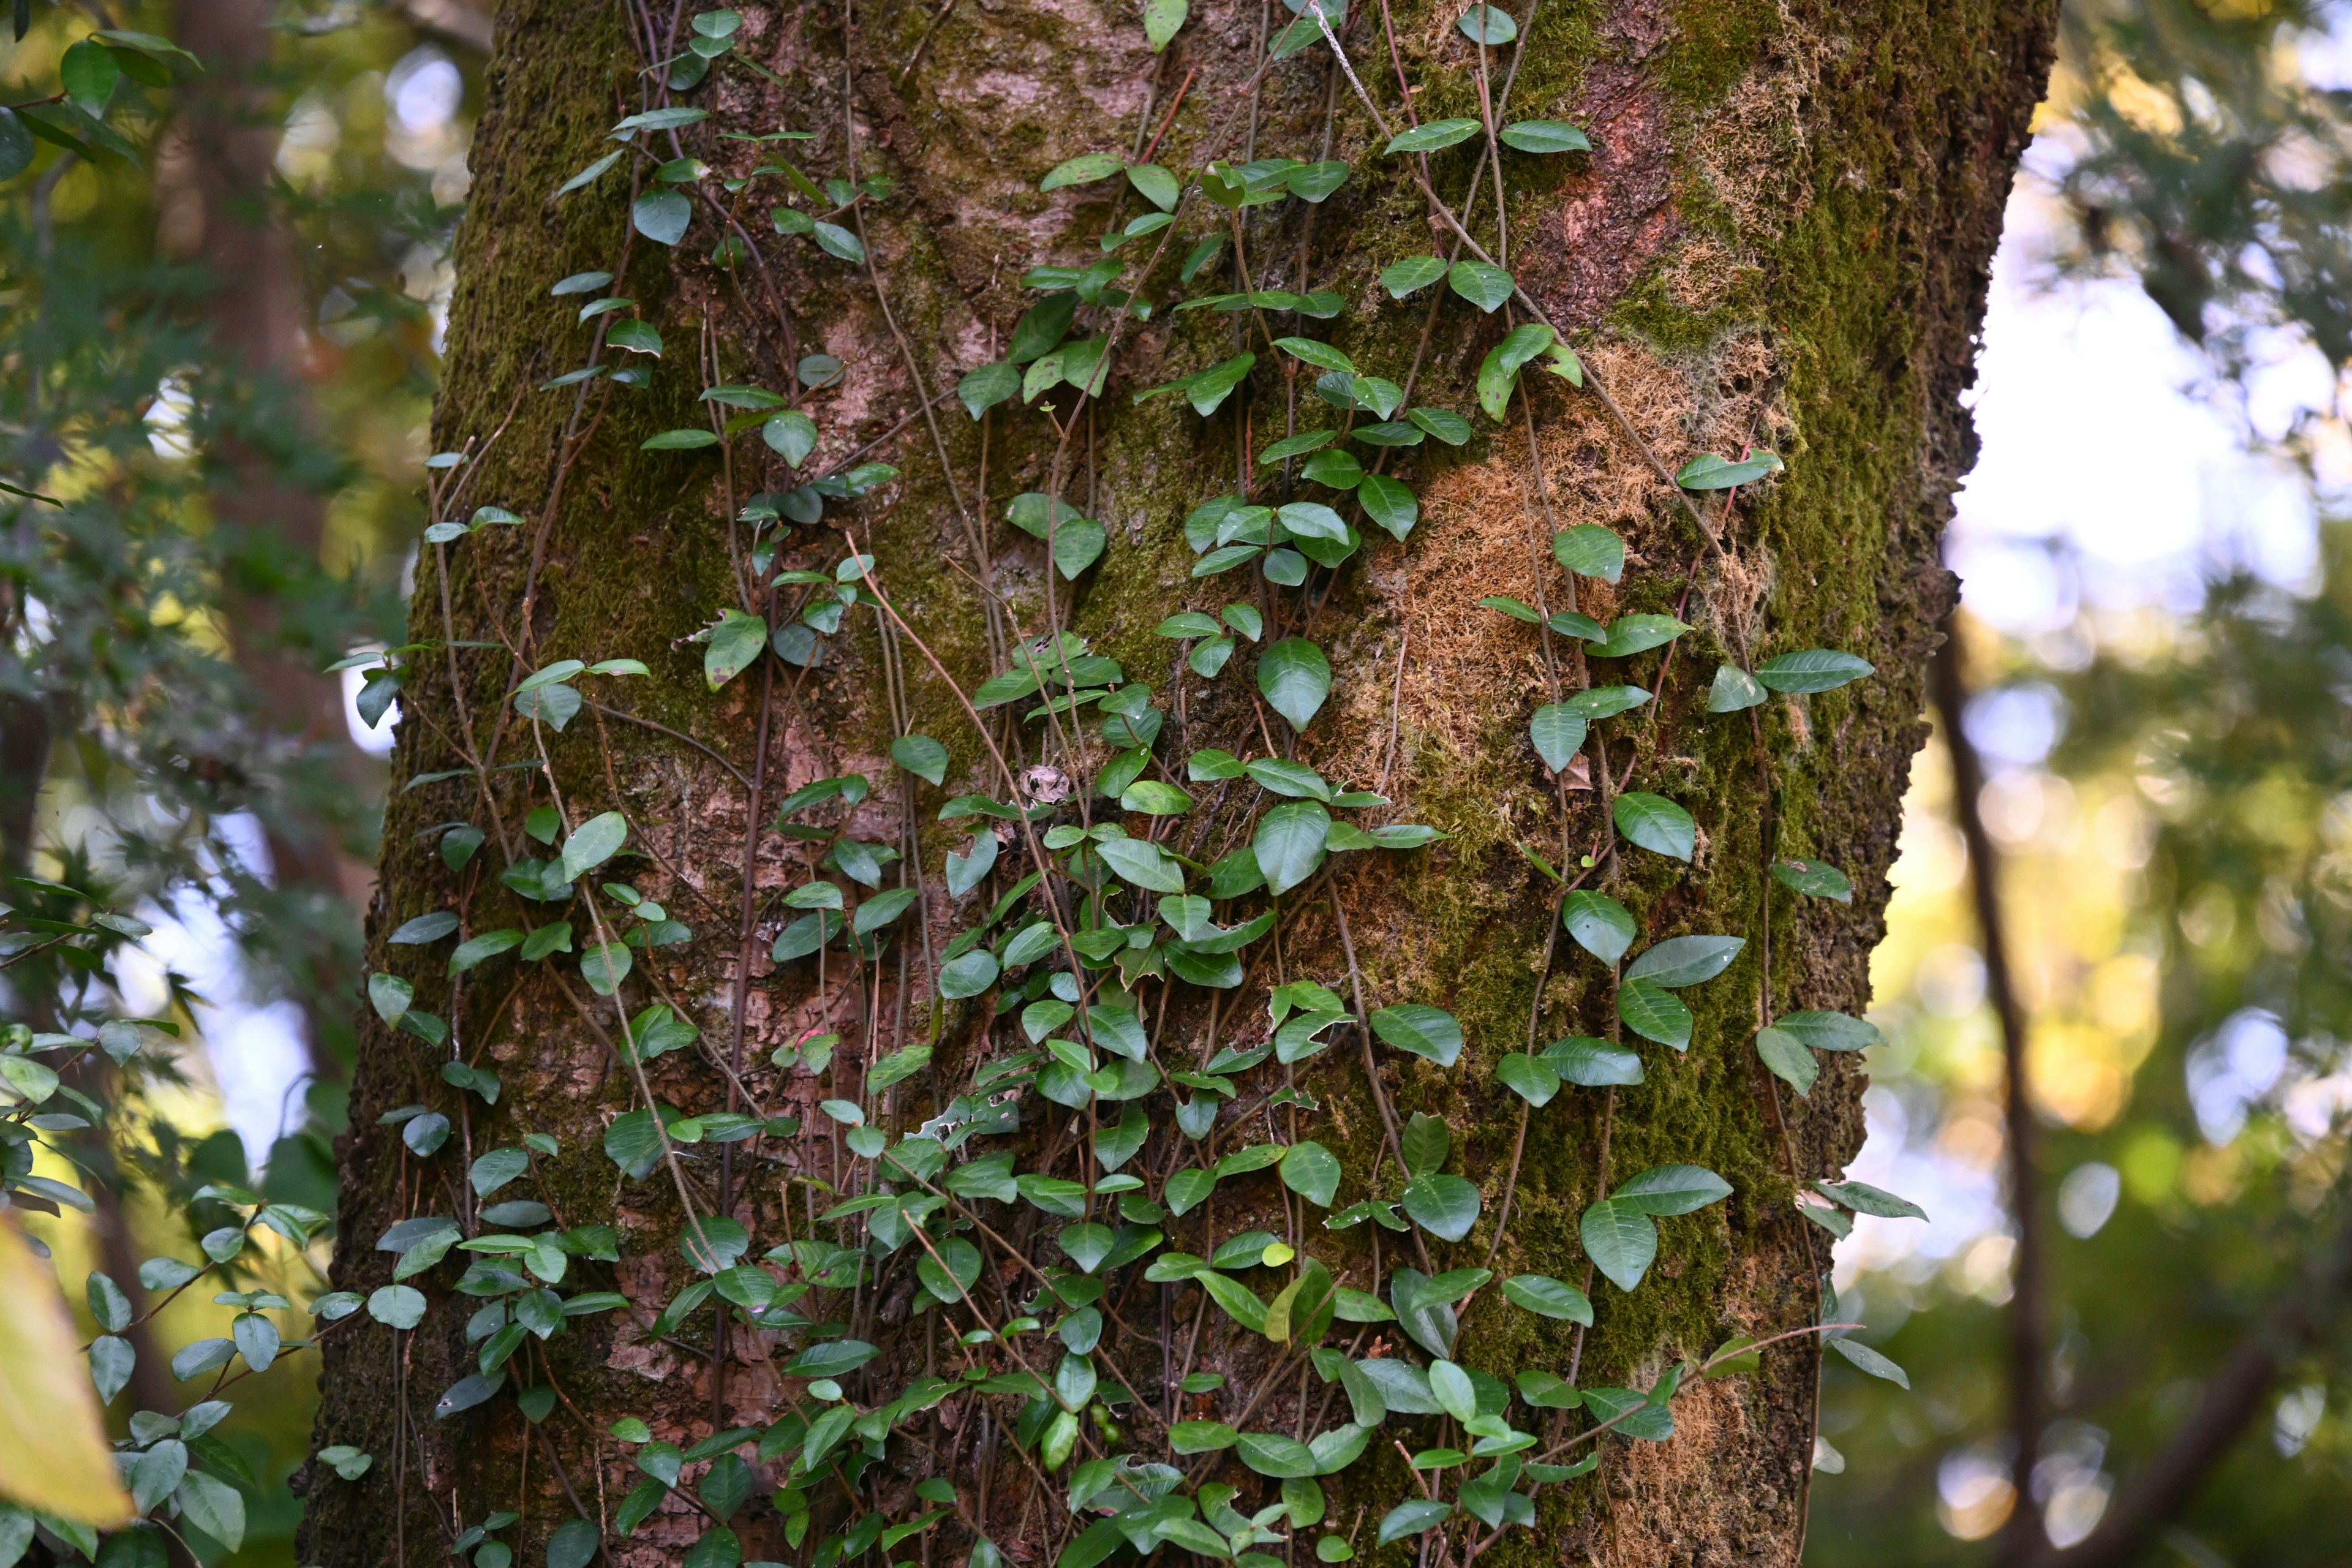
x,y
680,441
1787,1058
1500,370
662,216
984,388
1292,445
1557,731
1734,690
1186,1188
1656,823
968,974
1415,1517
1238,1300
1684,960
1815,877
1201,1437
1622,1241
1312,1172
1294,678
1655,1012
1425,1142
1831,1031
791,434
637,336
216,1508
1548,1391
1162,21
1154,798
837,241
1411,275
1811,669
1871,1362
1434,136
1864,1198
1483,286
1541,1294
89,73
1453,1390
1313,182
1607,702
1322,356
1637,634
1389,503
1424,1031
16,149
426,928
1207,390
1271,1453
496,1169
880,909
604,966
592,843
735,642
1446,1206
1488,25
1590,550
1530,1078
1600,925
390,995
1709,472
1544,136
1672,1189
1082,170
397,1306
922,756
1142,863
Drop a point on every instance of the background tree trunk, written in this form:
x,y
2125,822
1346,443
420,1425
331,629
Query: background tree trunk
x,y
1781,239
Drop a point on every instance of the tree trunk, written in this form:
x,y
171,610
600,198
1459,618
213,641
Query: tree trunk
x,y
227,216
1779,240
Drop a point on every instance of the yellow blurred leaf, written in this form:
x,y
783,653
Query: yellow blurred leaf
x,y
54,1455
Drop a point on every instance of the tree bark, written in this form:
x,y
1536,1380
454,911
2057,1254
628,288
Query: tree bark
x,y
1781,239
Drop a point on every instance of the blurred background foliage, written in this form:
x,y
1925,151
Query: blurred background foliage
x,y
219,346
222,355
2169,785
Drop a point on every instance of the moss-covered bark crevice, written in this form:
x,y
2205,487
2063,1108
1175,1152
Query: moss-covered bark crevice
x,y
1781,239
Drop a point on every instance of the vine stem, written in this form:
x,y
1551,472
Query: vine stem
x,y
1591,377
1372,1067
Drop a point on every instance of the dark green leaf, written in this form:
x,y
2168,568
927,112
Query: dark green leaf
x,y
1294,678
1542,1294
1709,472
1424,1031
1787,1058
1656,823
1621,1239
1813,878
1655,1014
1811,669
1434,136
1591,551
1483,286
1600,925
1684,960
1411,275
1557,731
1544,136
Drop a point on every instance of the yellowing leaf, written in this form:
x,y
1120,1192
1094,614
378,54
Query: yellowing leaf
x,y
54,1454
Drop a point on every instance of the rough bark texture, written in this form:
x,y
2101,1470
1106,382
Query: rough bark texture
x,y
1781,237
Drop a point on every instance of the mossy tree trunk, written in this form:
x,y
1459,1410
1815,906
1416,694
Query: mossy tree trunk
x,y
1779,240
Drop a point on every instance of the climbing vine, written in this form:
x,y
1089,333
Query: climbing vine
x,y
1110,917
